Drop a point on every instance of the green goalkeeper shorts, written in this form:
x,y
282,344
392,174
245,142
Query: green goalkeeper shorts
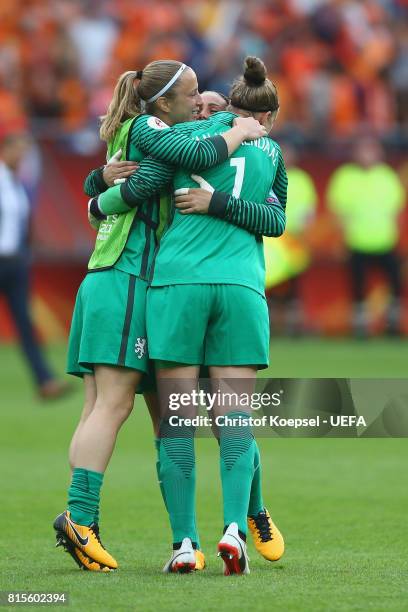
x,y
213,325
109,323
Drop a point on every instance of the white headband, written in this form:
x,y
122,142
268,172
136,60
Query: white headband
x,y
169,84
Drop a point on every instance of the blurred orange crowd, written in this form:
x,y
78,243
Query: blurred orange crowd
x,y
340,65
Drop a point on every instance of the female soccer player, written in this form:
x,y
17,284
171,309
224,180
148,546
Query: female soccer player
x,y
207,305
108,329
269,220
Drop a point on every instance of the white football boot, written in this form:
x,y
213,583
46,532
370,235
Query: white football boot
x,y
232,550
183,560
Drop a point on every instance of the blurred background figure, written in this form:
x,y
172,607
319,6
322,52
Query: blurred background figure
x,y
287,258
15,259
367,196
212,102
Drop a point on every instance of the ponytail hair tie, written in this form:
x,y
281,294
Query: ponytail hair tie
x,y
139,74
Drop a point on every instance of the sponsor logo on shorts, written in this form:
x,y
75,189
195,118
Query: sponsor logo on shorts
x,y
140,347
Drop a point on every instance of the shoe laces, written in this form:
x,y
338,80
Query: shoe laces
x,y
263,526
95,530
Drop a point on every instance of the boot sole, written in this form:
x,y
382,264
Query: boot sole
x,y
230,555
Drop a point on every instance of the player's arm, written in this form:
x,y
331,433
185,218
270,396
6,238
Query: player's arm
x,y
267,218
171,149
113,173
177,146
280,184
149,179
223,118
94,183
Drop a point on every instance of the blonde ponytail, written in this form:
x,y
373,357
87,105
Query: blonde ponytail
x,y
125,104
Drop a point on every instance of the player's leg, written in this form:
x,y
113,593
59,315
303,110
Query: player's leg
x,y
237,457
74,367
89,403
94,446
267,538
176,344
242,320
108,328
256,503
114,402
177,465
153,404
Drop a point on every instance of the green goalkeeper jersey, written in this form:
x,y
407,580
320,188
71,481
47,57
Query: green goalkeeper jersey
x,y
206,249
127,241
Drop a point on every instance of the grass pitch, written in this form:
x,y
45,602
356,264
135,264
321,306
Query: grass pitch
x,y
340,503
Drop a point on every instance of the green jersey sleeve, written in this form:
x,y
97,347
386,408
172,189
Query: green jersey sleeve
x,y
175,144
167,144
154,174
223,118
280,185
150,178
94,183
258,214
266,219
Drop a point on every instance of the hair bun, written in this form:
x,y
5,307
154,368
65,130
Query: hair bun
x,y
139,74
254,71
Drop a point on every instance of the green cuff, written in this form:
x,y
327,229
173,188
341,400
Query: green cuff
x,y
99,182
218,204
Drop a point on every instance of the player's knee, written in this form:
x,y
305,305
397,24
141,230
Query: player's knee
x,y
115,409
123,410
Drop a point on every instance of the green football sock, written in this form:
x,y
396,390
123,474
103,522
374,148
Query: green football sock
x,y
157,445
237,450
84,496
177,474
256,503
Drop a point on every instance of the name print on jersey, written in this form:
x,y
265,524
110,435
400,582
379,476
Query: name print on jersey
x,y
264,144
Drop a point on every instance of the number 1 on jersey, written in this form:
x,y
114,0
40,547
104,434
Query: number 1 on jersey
x,y
239,164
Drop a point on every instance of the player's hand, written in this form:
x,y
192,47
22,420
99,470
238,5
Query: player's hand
x,y
93,221
251,128
193,201
203,183
116,172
